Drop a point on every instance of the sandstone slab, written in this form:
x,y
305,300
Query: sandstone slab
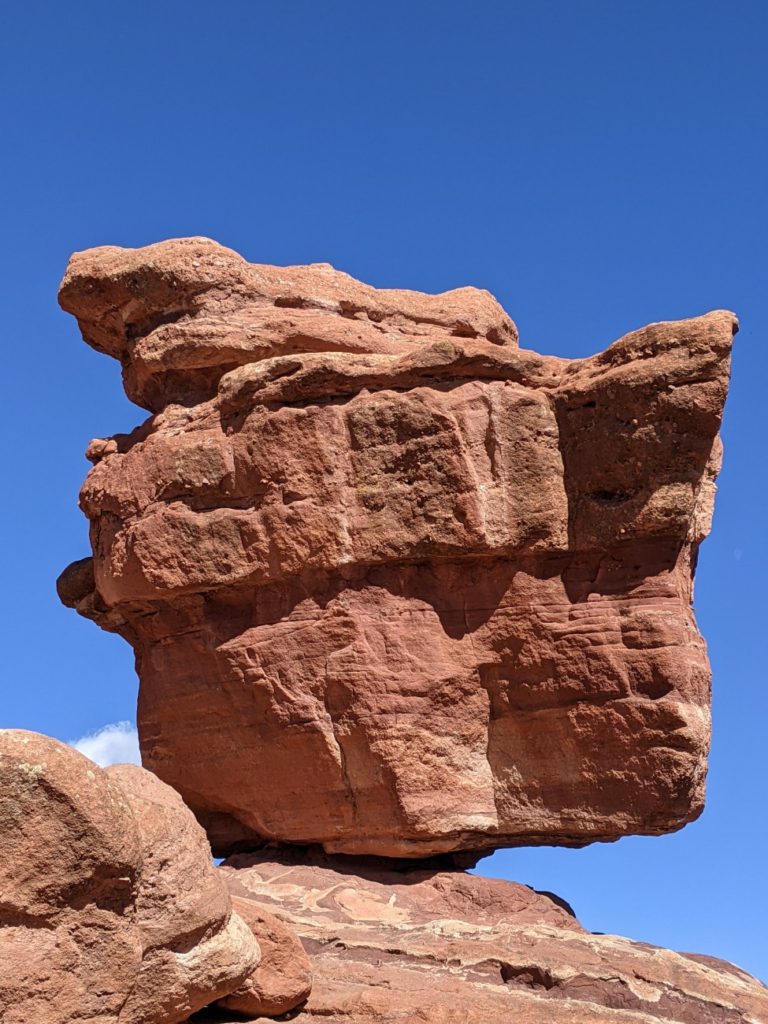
x,y
438,947
395,585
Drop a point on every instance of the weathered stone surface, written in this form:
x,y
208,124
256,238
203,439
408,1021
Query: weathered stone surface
x,y
70,944
110,909
395,585
450,948
181,313
195,950
283,978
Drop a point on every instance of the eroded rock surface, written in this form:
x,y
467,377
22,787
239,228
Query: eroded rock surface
x,y
283,978
396,586
195,949
110,909
439,947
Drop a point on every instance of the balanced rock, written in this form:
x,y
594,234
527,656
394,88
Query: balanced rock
x,y
110,908
395,585
437,947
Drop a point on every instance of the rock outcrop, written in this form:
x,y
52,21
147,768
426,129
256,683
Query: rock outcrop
x,y
395,585
398,589
111,910
438,947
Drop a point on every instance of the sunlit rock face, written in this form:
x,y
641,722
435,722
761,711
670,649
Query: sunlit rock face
x,y
395,585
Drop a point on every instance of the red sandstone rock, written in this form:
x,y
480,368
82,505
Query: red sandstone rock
x,y
283,979
425,947
110,909
180,313
70,944
195,949
396,586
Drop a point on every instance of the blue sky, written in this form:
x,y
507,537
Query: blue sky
x,y
597,165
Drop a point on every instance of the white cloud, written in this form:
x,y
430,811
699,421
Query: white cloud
x,y
117,743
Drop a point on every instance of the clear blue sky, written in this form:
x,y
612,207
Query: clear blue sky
x,y
597,165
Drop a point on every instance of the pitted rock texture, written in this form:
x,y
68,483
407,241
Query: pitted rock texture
x,y
110,908
431,947
395,585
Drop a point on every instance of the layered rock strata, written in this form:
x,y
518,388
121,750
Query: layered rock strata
x,y
395,585
438,947
110,908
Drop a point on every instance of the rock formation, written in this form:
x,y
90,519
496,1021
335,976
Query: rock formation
x,y
112,913
435,947
111,910
395,585
400,593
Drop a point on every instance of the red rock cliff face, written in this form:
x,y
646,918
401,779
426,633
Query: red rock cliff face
x,y
394,584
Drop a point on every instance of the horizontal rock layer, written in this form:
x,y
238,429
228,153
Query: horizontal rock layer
x,y
439,947
395,585
180,313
